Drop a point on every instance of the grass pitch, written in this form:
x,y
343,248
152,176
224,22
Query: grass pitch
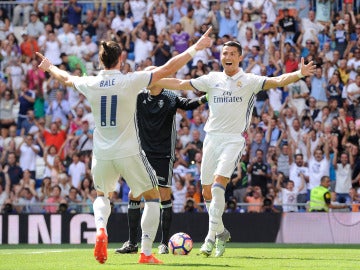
x,y
237,256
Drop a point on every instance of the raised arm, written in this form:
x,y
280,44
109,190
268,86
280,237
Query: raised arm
x,y
175,63
285,79
61,75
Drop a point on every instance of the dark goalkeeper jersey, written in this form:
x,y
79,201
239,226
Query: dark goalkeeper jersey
x,y
156,121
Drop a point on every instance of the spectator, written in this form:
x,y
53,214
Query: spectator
x,y
259,171
74,199
59,108
44,191
258,142
143,46
227,26
310,27
240,180
179,39
195,146
5,23
23,7
255,199
318,163
121,23
72,12
354,200
35,28
298,172
253,8
66,38
26,103
15,74
138,8
54,136
7,103
54,199
76,171
340,37
318,88
5,185
298,93
28,151
161,51
187,21
179,190
289,194
84,138
343,171
200,13
52,47
27,200
176,11
160,18
29,45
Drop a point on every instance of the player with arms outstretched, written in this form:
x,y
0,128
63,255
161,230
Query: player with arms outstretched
x,y
231,97
116,151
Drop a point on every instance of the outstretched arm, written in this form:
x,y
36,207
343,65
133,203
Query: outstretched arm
x,y
61,75
285,79
175,63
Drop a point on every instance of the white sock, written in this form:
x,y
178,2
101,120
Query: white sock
x,y
149,225
216,211
102,212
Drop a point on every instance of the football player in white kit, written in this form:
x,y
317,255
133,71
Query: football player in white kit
x,y
231,97
117,151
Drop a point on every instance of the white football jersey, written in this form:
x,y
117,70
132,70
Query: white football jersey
x,y
231,100
112,96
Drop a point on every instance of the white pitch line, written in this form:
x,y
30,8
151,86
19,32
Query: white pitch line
x,y
32,252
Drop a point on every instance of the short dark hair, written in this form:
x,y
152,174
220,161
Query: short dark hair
x,y
109,53
234,44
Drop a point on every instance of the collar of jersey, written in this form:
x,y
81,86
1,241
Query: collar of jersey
x,y
109,71
236,76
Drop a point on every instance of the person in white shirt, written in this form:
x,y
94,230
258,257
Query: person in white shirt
x,y
28,152
138,8
319,162
231,96
116,149
66,38
121,23
343,172
77,171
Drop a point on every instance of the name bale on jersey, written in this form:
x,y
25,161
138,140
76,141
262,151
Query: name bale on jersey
x,y
107,83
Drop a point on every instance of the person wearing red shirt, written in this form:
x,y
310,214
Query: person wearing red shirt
x,y
29,45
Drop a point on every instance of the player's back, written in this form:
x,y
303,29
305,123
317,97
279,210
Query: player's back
x,y
112,97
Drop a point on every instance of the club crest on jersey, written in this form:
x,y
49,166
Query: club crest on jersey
x,y
161,103
239,84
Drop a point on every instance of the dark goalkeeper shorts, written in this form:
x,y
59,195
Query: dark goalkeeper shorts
x,y
164,170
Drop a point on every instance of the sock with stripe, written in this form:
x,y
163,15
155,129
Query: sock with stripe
x,y
166,217
134,215
149,225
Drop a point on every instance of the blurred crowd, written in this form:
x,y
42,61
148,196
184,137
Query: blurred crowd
x,y
297,135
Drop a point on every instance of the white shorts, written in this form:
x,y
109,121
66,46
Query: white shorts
x,y
136,170
221,154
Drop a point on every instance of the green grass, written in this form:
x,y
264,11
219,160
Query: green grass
x,y
237,256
